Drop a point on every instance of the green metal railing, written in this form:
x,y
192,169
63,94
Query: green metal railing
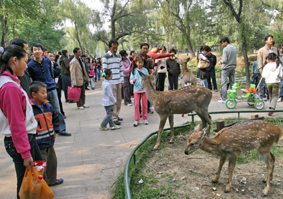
x,y
239,112
132,155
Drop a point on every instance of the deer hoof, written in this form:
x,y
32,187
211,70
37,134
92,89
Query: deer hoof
x,y
169,142
212,181
226,191
264,181
263,195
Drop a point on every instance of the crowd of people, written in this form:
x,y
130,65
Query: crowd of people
x,y
30,90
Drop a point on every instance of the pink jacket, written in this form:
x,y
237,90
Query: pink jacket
x,y
13,106
91,73
126,65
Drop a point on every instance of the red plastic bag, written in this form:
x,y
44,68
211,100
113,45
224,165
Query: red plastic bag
x,y
74,93
29,189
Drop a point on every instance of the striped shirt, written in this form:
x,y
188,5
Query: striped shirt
x,y
113,62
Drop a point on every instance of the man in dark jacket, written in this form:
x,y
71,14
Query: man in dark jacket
x,y
25,79
174,71
40,69
210,70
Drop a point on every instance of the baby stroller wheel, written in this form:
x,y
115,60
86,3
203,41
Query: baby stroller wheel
x,y
259,104
231,103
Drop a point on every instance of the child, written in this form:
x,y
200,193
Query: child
x,y
108,101
17,121
270,74
91,75
174,70
48,123
139,91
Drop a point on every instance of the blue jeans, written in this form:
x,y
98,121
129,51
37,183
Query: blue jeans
x,y
108,118
204,83
53,99
91,82
98,73
66,82
281,89
17,158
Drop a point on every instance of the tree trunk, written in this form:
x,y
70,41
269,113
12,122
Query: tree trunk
x,y
244,47
146,39
4,31
112,29
78,37
190,47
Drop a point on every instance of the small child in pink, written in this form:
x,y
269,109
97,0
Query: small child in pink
x,y
139,91
91,75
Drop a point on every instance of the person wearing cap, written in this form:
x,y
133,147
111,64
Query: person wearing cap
x,y
126,65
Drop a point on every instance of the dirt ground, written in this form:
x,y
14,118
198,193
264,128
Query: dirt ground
x,y
190,176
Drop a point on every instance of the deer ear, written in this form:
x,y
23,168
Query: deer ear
x,y
198,128
188,59
204,132
141,74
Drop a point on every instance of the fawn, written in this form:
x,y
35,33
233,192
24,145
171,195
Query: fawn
x,y
231,141
188,77
181,101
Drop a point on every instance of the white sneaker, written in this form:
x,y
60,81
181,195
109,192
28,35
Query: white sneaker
x,y
136,123
221,101
81,108
86,106
279,99
145,122
129,104
115,127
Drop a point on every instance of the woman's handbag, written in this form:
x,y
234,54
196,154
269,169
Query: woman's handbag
x,y
74,93
202,64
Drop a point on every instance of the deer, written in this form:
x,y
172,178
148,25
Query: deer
x,y
167,103
188,77
231,141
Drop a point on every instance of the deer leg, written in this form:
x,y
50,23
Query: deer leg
x,y
232,164
273,158
205,119
171,122
160,130
269,161
221,162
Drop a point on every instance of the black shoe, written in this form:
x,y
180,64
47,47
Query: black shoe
x,y
120,119
71,101
67,101
87,89
64,134
117,122
64,117
58,181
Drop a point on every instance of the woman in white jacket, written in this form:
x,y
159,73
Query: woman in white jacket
x,y
271,75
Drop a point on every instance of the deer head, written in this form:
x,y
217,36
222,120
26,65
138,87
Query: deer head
x,y
146,78
182,61
195,140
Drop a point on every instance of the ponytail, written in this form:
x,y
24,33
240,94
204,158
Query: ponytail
x,y
7,53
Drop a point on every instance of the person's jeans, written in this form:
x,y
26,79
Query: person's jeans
x,y
17,158
98,73
211,75
225,74
263,89
127,90
91,82
173,82
53,99
108,118
203,82
273,91
281,89
160,81
66,82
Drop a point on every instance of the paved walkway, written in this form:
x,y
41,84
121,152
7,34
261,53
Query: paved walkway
x,y
90,160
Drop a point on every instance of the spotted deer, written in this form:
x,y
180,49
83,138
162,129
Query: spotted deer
x,y
188,77
231,141
181,101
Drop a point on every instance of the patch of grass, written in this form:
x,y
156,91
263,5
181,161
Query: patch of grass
x,y
146,190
